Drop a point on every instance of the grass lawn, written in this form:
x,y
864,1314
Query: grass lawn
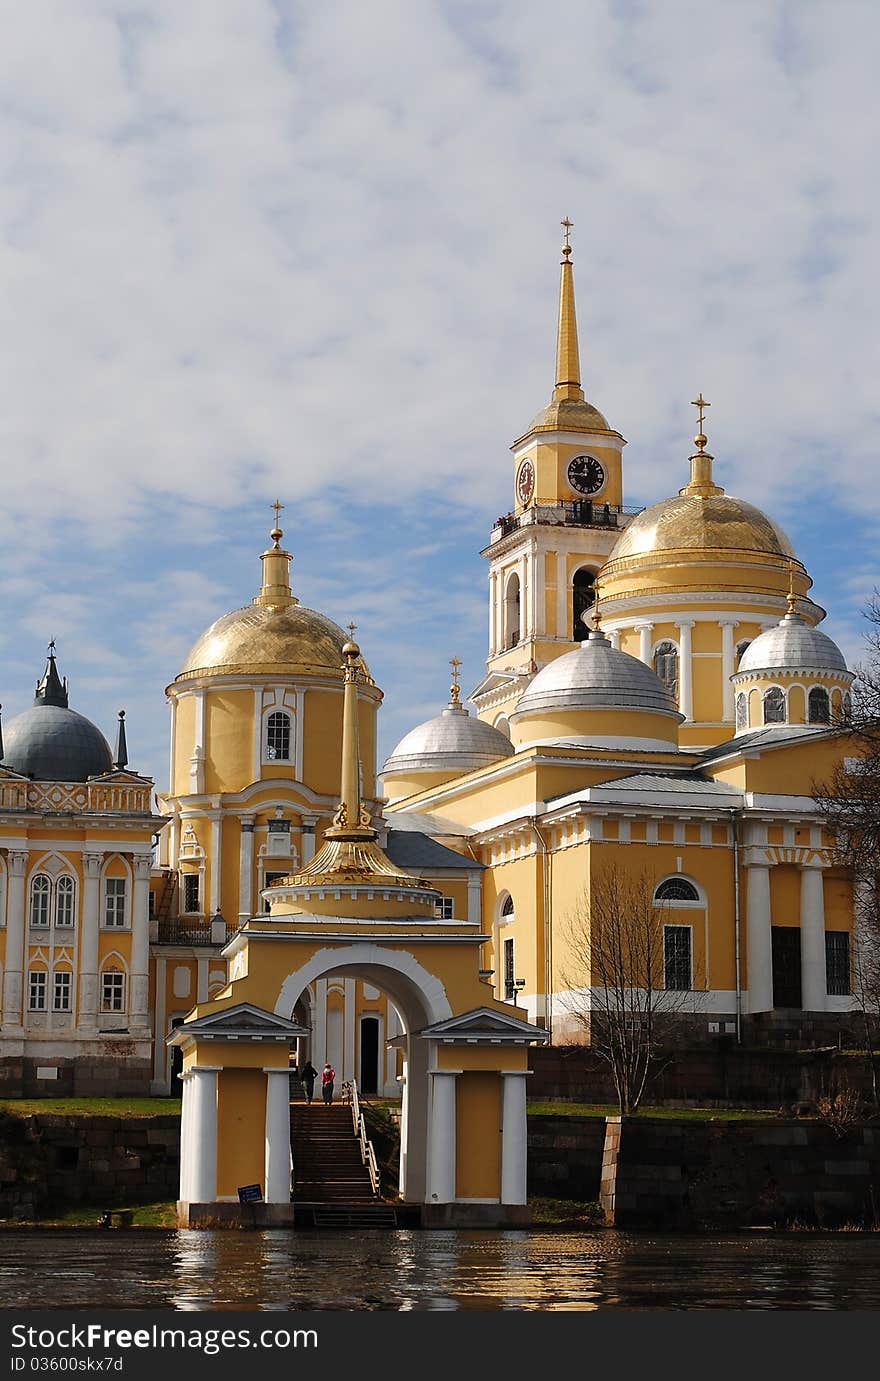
x,y
158,1215
565,1213
92,1107
560,1109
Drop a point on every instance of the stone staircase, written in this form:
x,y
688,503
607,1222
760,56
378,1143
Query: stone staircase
x,y
331,1185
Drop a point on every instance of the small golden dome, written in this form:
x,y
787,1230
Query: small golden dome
x,y
569,415
689,522
268,639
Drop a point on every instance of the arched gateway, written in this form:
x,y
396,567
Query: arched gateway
x,y
352,913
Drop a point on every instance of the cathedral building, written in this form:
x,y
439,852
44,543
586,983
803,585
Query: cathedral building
x,y
657,702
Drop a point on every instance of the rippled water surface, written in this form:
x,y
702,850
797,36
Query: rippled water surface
x,y
437,1270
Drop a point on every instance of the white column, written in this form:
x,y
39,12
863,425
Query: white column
x,y
441,1146
760,948
513,1137
349,1032
159,1048
203,1169
475,899
493,613
525,598
277,1136
644,631
562,595
727,667
404,1128
216,835
13,978
140,945
685,669
300,732
814,984
88,953
185,1135
539,600
614,635
172,749
197,761
319,1023
246,869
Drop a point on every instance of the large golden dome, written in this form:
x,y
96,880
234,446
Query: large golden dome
x,y
690,522
268,639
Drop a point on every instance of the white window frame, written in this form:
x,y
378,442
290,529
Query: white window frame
x,y
65,886
268,755
186,909
38,994
46,895
115,924
444,909
62,988
112,974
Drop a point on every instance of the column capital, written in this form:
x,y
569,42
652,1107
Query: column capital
x,y
643,623
18,861
142,866
755,856
685,623
814,862
728,623
451,1072
92,864
247,823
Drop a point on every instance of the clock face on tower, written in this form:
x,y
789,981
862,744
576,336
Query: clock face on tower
x,y
525,482
586,474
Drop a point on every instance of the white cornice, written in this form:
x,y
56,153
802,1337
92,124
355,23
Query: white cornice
x,y
606,441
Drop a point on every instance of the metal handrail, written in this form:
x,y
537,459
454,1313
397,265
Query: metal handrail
x,y
569,512
368,1154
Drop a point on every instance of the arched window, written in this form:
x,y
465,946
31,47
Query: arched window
x,y
40,888
774,706
742,711
583,597
64,898
507,909
278,736
819,706
502,724
740,652
676,889
666,666
847,707
112,990
511,612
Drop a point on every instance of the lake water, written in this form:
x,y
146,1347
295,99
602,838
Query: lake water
x,y
408,1270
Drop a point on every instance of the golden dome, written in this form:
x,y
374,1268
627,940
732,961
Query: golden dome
x,y
569,415
690,522
268,639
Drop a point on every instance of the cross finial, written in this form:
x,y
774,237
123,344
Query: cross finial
x,y
352,628
277,505
455,688
276,534
567,227
51,647
701,404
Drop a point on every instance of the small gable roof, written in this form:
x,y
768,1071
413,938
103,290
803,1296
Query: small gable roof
x,y
484,1026
243,1022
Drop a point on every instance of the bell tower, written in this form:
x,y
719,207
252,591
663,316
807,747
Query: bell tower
x,y
545,554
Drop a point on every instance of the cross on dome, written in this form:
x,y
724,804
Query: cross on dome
x,y
455,688
567,226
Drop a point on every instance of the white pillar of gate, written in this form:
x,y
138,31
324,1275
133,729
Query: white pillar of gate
x,y
277,1136
441,1144
513,1136
760,946
404,1128
201,1135
813,974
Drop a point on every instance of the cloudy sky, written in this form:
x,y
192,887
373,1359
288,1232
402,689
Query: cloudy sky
x,y
253,248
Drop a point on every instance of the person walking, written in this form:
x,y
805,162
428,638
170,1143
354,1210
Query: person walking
x,y
308,1074
328,1076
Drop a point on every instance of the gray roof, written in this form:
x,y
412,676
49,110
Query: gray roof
x,y
792,645
596,676
451,741
773,736
413,851
54,744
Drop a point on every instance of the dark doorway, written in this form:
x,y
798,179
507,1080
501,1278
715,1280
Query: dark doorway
x,y
369,1082
786,966
176,1088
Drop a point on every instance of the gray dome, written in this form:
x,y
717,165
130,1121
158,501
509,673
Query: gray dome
x,y
54,744
793,646
452,741
596,676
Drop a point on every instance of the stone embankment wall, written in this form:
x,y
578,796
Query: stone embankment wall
x,y
119,1074
723,1076
49,1163
565,1157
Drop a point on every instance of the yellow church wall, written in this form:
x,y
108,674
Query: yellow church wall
x,y
322,739
708,691
626,723
241,1136
399,786
793,770
797,705
229,761
184,711
230,869
838,900
478,1135
785,895
482,1057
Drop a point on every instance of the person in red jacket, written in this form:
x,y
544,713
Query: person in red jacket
x,y
328,1076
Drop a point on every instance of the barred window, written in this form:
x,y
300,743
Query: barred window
x,y
191,892
64,896
774,706
62,984
40,888
666,666
444,909
741,649
677,957
114,902
37,986
742,711
837,963
112,991
819,706
509,969
278,736
676,889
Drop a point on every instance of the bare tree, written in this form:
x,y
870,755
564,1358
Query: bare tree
x,y
850,801
614,979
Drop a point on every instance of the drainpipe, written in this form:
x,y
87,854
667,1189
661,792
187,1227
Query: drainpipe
x,y
548,932
735,819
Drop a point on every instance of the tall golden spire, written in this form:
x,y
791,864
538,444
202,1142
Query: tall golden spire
x,y
568,365
701,485
351,820
275,588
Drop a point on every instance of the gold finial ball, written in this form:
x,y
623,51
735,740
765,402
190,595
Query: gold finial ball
x,y
276,534
351,649
700,440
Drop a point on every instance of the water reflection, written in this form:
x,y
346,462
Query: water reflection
x,y
437,1271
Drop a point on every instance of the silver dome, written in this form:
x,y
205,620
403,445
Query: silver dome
x,y
54,744
596,676
452,741
793,646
